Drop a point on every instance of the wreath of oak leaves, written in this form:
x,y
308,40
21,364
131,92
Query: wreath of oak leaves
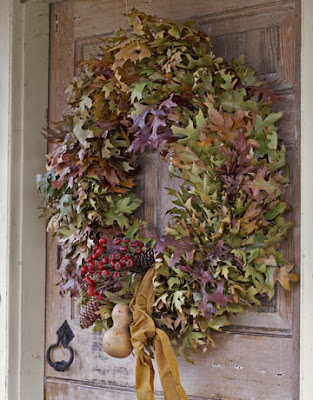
x,y
159,86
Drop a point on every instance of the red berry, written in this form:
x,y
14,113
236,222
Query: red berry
x,y
89,259
91,282
91,263
112,257
103,241
105,273
123,248
116,241
94,256
99,273
131,263
99,297
118,266
96,247
84,270
118,256
112,263
135,243
105,260
123,262
100,250
141,244
116,275
91,291
126,240
99,267
138,251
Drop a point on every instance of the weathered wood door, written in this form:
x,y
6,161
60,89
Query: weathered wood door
x,y
257,358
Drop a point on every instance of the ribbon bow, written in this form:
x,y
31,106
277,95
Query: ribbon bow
x,y
142,328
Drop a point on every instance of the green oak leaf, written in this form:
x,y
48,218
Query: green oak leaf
x,y
272,118
136,90
192,131
117,211
66,203
178,300
81,134
274,212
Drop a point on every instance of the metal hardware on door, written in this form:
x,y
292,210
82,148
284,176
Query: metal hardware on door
x,y
65,336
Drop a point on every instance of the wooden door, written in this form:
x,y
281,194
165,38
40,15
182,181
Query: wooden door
x,y
257,357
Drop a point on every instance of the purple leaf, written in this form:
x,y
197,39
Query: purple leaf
x,y
222,252
207,309
156,124
241,143
168,103
150,128
105,124
217,297
140,120
199,274
140,143
165,135
162,242
72,285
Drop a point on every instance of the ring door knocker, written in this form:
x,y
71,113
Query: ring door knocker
x,y
65,336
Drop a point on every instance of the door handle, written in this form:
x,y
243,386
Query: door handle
x,y
65,336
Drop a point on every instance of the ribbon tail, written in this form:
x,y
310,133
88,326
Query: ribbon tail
x,y
168,368
141,329
144,377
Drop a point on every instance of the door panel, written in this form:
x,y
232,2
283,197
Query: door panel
x,y
265,35
257,357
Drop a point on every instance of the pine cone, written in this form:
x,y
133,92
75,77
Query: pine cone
x,y
144,260
88,317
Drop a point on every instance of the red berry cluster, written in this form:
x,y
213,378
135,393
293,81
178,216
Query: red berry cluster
x,y
107,262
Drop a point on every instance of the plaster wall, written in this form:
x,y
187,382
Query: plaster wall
x,y
4,200
306,327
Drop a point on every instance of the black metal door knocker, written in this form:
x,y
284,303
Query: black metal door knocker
x,y
65,335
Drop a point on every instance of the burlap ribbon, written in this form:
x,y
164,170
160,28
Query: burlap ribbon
x,y
142,328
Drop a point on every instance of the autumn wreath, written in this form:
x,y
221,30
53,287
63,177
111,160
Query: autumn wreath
x,y
160,87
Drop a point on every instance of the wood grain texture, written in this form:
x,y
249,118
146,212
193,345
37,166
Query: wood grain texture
x,y
89,15
241,367
61,72
80,390
258,357
64,390
266,38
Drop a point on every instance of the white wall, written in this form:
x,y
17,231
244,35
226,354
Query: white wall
x,y
4,204
306,329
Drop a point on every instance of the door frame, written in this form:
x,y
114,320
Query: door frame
x,y
24,48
